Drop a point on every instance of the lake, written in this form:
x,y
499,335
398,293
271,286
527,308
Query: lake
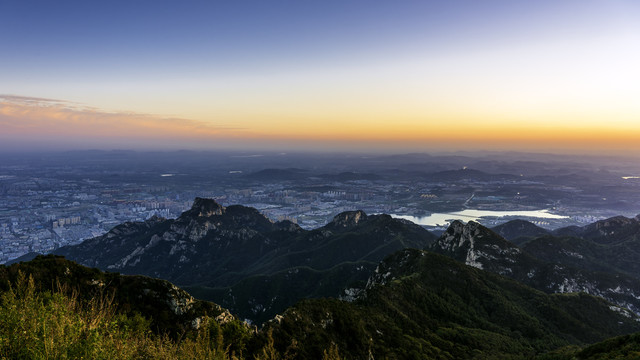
x,y
443,219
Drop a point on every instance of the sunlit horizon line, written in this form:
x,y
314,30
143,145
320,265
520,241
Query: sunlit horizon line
x,y
36,121
37,115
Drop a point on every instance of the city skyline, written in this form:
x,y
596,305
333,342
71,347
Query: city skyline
x,y
360,76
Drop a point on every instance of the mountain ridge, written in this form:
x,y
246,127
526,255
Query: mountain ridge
x,y
217,251
223,253
480,247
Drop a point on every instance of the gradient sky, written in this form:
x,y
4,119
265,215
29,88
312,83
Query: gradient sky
x,y
395,76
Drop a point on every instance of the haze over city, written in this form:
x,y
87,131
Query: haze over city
x,y
367,76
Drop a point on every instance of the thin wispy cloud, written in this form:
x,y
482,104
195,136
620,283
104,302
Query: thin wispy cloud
x,y
24,116
30,100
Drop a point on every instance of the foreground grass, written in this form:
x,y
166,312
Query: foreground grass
x,y
57,325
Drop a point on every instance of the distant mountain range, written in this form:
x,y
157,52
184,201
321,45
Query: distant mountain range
x,y
240,259
290,174
400,297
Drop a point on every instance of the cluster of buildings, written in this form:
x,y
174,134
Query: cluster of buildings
x,y
41,211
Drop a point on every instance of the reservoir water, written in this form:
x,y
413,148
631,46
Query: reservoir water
x,y
443,219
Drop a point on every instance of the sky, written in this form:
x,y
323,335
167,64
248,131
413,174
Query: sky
x,y
381,76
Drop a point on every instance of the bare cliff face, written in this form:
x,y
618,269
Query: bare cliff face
x,y
348,219
480,247
206,208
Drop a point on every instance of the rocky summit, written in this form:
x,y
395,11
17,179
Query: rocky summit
x,y
477,246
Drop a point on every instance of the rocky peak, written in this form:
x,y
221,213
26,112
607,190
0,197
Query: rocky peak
x,y
612,230
348,219
238,216
613,222
288,226
458,234
474,244
206,207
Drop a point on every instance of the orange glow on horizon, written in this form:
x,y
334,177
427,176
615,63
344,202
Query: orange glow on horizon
x,y
50,120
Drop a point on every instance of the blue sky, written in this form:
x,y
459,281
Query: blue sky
x,y
69,39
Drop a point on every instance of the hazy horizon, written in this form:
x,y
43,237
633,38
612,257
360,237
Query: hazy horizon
x,y
308,150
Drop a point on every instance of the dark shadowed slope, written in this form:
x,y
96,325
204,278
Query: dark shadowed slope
x,y
423,305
